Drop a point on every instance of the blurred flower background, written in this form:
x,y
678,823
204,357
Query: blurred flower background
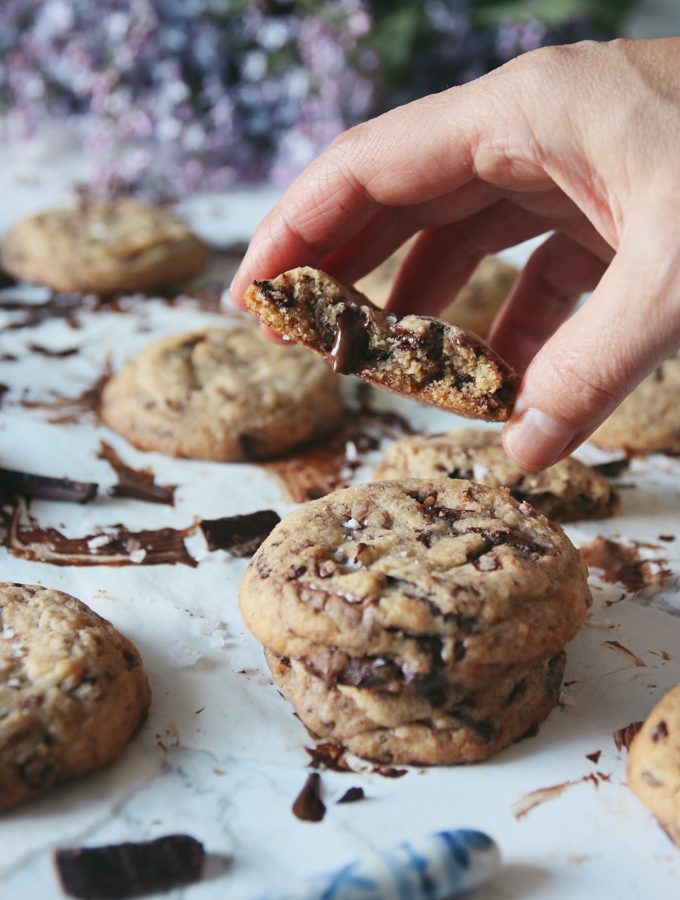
x,y
173,96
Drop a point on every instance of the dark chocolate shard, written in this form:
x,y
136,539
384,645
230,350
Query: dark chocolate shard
x,y
131,869
623,737
308,804
612,469
239,535
4,388
53,354
136,484
42,487
352,794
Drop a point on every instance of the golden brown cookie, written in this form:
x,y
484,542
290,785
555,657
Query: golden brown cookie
x,y
654,763
445,726
224,394
417,356
440,579
103,248
648,420
72,691
567,491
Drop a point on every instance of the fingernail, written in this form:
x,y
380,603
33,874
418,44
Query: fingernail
x,y
536,440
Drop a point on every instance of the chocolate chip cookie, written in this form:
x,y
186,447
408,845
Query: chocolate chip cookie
x,y
72,691
440,579
474,307
103,248
567,491
417,356
654,763
648,420
223,394
443,726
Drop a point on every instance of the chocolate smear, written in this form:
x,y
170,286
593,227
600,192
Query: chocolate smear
x,y
615,645
131,869
70,410
623,563
114,547
136,484
330,463
623,737
536,798
612,469
53,354
308,804
352,794
239,535
42,487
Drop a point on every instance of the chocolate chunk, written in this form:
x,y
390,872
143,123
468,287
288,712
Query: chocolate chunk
x,y
308,804
130,870
352,794
4,388
350,345
280,298
136,484
240,535
660,732
612,469
594,757
623,737
328,756
42,487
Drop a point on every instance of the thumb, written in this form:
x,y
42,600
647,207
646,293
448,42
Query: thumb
x,y
629,325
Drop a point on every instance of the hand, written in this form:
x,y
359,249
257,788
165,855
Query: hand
x,y
583,140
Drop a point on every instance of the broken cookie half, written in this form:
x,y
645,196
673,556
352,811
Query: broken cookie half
x,y
417,356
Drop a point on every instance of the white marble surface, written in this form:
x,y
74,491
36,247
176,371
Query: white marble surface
x,y
222,756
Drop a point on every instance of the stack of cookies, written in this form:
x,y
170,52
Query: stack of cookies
x,y
417,621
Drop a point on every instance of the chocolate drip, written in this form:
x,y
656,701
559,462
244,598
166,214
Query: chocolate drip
x,y
239,535
137,484
350,344
42,487
130,870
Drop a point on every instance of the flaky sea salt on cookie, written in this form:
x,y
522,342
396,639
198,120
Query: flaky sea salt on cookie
x,y
439,578
72,691
566,492
420,357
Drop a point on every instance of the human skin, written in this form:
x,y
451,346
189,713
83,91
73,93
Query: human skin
x,y
583,140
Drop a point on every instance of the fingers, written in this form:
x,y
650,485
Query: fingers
x,y
545,293
443,259
408,156
629,325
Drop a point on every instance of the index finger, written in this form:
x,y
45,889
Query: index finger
x,y
407,156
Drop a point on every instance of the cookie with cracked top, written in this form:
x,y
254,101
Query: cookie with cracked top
x,y
423,358
648,420
437,577
653,763
103,247
224,394
452,725
565,492
72,691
